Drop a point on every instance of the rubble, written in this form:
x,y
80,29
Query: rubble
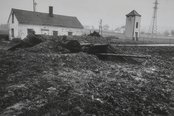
x,y
89,39
96,34
49,80
29,41
49,46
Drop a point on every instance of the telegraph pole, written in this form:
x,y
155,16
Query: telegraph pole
x,y
34,6
100,27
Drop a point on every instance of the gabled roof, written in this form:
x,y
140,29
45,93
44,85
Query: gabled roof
x,y
38,18
133,13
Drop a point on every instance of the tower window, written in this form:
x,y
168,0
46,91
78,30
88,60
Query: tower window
x,y
12,17
136,24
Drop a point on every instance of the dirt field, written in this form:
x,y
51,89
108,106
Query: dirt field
x,y
43,81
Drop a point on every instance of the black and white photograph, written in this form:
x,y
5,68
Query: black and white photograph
x,y
86,58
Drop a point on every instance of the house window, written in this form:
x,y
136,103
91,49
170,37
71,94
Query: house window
x,y
30,32
12,32
45,31
70,33
12,17
136,24
55,33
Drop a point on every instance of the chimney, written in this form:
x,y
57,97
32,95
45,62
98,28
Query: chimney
x,y
51,11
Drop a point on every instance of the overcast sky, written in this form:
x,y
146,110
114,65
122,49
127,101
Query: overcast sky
x,y
89,12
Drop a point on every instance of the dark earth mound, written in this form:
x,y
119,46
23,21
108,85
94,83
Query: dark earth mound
x,y
48,80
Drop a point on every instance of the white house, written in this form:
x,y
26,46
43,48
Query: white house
x,y
133,20
22,22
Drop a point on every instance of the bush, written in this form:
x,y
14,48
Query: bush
x,y
96,34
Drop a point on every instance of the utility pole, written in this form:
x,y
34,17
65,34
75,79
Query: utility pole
x,y
153,26
34,6
100,27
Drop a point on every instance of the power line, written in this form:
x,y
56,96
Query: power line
x,y
153,26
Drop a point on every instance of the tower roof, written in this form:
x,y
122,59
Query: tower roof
x,y
133,13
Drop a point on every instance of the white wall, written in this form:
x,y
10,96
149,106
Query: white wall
x,y
137,19
37,28
20,30
131,26
14,26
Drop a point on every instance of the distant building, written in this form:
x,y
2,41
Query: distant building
x,y
133,20
22,22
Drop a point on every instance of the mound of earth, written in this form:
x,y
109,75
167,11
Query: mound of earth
x,y
36,82
49,46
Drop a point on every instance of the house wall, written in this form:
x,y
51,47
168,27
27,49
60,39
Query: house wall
x,y
41,29
13,26
131,29
20,30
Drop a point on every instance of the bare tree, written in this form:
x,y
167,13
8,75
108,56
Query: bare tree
x,y
172,32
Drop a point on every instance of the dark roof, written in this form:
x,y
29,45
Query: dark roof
x,y
38,18
133,13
